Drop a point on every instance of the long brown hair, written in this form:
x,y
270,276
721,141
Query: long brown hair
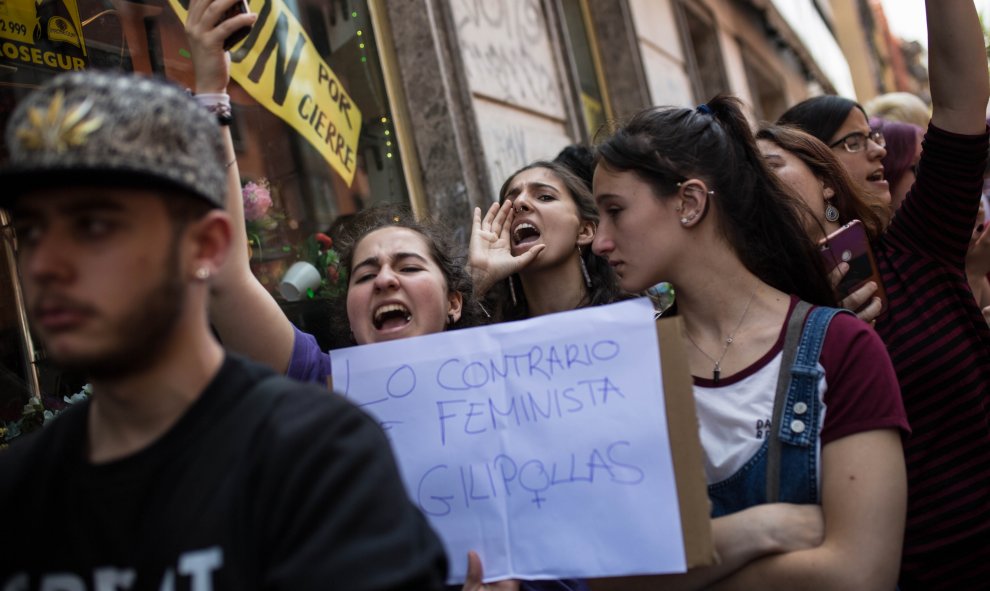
x,y
826,167
604,288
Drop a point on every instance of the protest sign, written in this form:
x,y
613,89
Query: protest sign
x,y
541,444
278,65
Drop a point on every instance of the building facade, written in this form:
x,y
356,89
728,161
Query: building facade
x,y
343,104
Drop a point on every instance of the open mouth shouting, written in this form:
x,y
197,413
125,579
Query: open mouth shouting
x,y
391,317
524,235
877,178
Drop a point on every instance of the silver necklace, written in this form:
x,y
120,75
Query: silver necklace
x,y
717,369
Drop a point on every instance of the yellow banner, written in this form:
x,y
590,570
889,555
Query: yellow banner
x,y
278,65
38,33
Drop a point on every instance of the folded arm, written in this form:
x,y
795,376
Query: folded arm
x,y
864,500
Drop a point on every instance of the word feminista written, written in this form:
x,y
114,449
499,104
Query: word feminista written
x,y
476,400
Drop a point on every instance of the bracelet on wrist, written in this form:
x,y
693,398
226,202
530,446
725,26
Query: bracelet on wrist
x,y
217,103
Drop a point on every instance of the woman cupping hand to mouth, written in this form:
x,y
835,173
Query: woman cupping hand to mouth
x,y
531,252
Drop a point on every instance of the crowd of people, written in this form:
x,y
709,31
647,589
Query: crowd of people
x,y
204,465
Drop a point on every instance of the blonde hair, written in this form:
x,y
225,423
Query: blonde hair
x,y
903,107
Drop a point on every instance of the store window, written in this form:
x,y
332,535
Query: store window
x,y
583,51
314,135
702,51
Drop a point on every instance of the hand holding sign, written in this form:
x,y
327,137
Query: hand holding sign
x,y
541,444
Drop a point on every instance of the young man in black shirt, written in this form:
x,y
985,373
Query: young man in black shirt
x,y
189,468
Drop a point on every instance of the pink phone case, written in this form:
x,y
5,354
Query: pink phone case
x,y
850,244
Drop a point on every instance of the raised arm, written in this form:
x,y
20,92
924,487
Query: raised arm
x,y
957,66
245,315
490,258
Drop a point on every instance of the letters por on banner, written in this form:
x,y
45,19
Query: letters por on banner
x,y
541,444
278,65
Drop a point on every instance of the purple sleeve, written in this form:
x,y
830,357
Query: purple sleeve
x,y
863,393
308,363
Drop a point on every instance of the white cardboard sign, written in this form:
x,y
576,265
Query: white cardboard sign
x,y
540,444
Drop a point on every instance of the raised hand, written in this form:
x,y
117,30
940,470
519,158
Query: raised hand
x,y
206,34
490,256
861,301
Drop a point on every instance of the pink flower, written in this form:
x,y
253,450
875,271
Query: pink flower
x,y
257,200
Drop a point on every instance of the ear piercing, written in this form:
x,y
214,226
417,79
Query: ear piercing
x,y
202,273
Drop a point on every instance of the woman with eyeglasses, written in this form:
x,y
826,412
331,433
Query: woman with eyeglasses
x,y
842,124
933,329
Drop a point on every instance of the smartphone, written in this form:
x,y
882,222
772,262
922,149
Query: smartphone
x,y
237,36
849,244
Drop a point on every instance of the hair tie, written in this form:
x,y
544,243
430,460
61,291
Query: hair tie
x,y
704,108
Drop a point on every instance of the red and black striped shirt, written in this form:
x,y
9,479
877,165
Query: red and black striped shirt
x,y
939,343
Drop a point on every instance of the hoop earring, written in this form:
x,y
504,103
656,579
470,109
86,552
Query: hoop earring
x,y
584,269
512,292
831,212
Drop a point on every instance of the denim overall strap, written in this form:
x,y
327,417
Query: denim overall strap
x,y
795,327
797,415
796,429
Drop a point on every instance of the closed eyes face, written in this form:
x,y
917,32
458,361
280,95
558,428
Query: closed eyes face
x,y
801,181
396,289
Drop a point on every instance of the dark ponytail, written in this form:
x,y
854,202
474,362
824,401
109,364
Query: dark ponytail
x,y
757,216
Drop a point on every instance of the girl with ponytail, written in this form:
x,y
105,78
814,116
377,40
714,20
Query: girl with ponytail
x,y
803,457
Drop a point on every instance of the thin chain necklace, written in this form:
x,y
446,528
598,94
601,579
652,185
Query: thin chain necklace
x,y
717,369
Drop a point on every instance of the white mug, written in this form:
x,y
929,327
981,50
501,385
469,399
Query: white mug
x,y
300,277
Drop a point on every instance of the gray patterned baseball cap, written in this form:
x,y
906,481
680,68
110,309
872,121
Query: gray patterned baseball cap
x,y
111,129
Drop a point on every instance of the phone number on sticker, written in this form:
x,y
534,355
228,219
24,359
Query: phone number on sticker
x,y
12,27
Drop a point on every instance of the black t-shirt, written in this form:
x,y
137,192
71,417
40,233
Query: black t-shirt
x,y
296,490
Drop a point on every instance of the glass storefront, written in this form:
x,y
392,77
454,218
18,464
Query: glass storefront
x,y
313,127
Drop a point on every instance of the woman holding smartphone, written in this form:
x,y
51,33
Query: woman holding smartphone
x,y
814,174
935,333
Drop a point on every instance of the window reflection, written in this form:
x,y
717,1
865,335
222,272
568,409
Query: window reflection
x,y
307,195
